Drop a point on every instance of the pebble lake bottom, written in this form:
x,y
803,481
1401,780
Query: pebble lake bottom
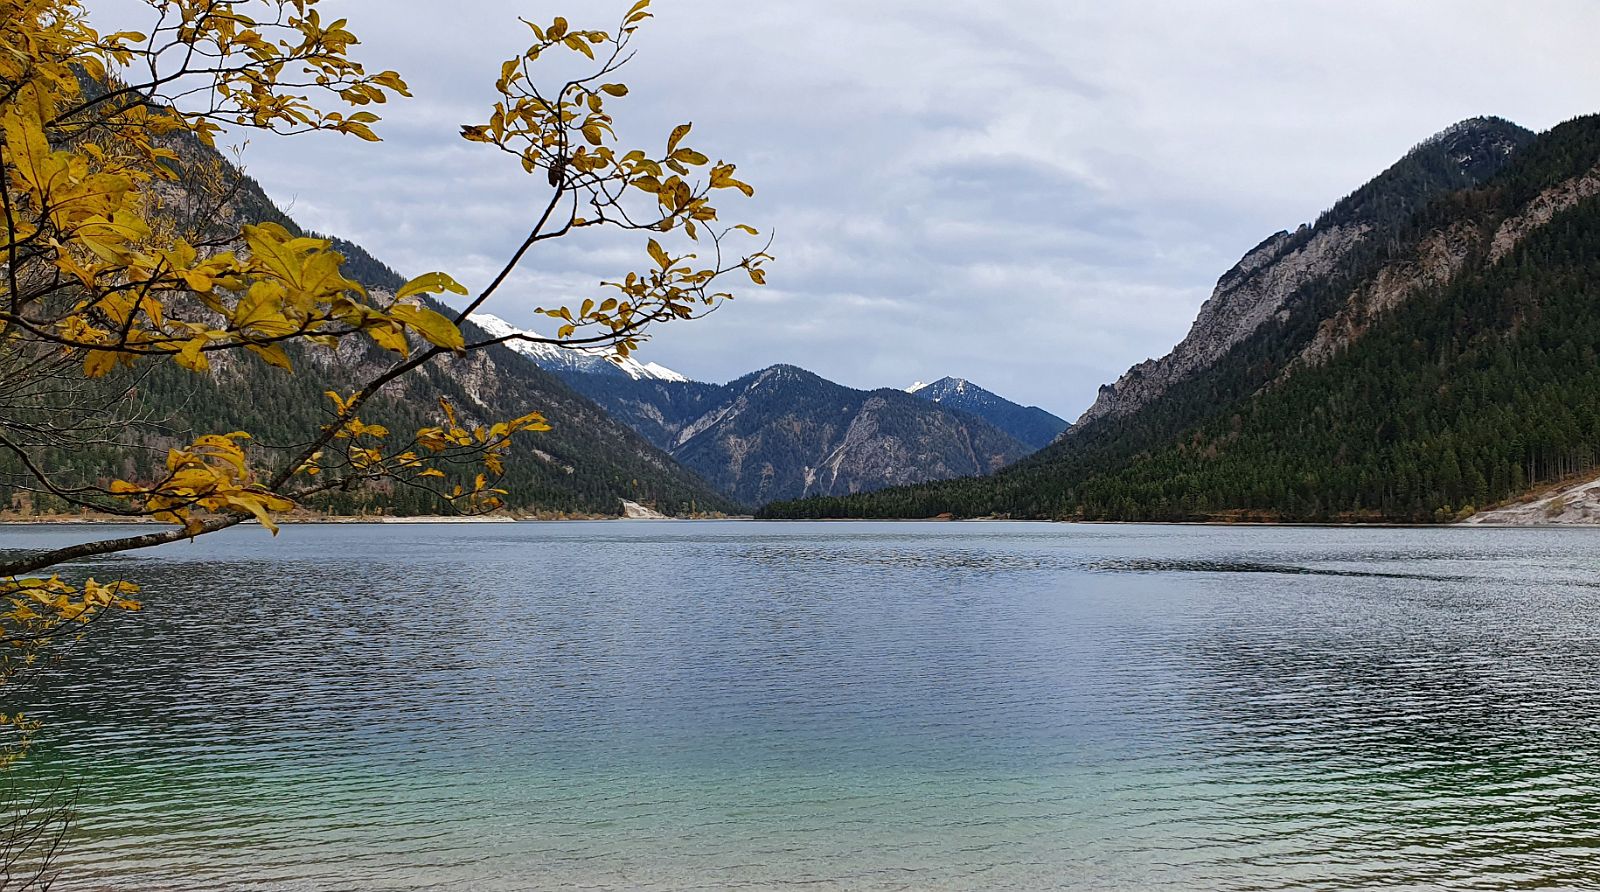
x,y
833,706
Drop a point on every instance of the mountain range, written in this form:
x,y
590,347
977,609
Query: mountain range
x,y
784,432
1425,348
622,431
673,412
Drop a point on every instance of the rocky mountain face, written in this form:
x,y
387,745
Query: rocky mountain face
x,y
1425,350
1263,284
784,433
1031,425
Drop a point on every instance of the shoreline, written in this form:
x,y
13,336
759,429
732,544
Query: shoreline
x,y
418,520
433,520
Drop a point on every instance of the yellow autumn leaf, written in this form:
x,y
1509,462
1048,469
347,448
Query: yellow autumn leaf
x,y
678,133
273,353
438,330
99,363
430,283
389,336
191,356
659,254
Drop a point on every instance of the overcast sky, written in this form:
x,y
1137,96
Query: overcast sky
x,y
1032,194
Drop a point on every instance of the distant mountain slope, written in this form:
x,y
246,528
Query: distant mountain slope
x,y
1447,361
587,464
1030,425
559,359
657,410
784,432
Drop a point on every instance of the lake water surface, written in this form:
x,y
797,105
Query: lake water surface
x,y
835,706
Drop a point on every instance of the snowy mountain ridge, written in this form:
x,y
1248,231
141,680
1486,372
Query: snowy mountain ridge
x,y
592,360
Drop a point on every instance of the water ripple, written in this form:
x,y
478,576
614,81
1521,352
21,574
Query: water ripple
x,y
865,706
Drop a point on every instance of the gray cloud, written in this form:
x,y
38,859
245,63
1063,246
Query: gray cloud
x,y
1030,194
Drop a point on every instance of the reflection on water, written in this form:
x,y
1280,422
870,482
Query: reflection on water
x,y
863,706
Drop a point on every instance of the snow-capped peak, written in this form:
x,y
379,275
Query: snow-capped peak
x,y
661,372
593,360
942,388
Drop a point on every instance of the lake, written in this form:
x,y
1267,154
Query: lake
x,y
835,706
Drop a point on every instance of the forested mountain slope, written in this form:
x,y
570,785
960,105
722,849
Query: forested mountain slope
x,y
783,432
1444,362
586,464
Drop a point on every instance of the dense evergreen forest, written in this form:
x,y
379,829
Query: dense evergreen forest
x,y
1465,395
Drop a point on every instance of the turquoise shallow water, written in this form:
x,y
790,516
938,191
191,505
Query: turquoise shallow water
x,y
836,706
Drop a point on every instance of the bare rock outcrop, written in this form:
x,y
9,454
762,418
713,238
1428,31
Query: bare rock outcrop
x,y
1571,505
1439,258
1542,210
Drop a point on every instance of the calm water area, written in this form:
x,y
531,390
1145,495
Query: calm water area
x,y
740,705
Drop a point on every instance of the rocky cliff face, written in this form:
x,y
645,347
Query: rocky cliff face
x,y
1255,290
1266,284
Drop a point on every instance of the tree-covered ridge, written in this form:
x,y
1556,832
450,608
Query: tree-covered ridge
x,y
1461,157
1466,394
1301,277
